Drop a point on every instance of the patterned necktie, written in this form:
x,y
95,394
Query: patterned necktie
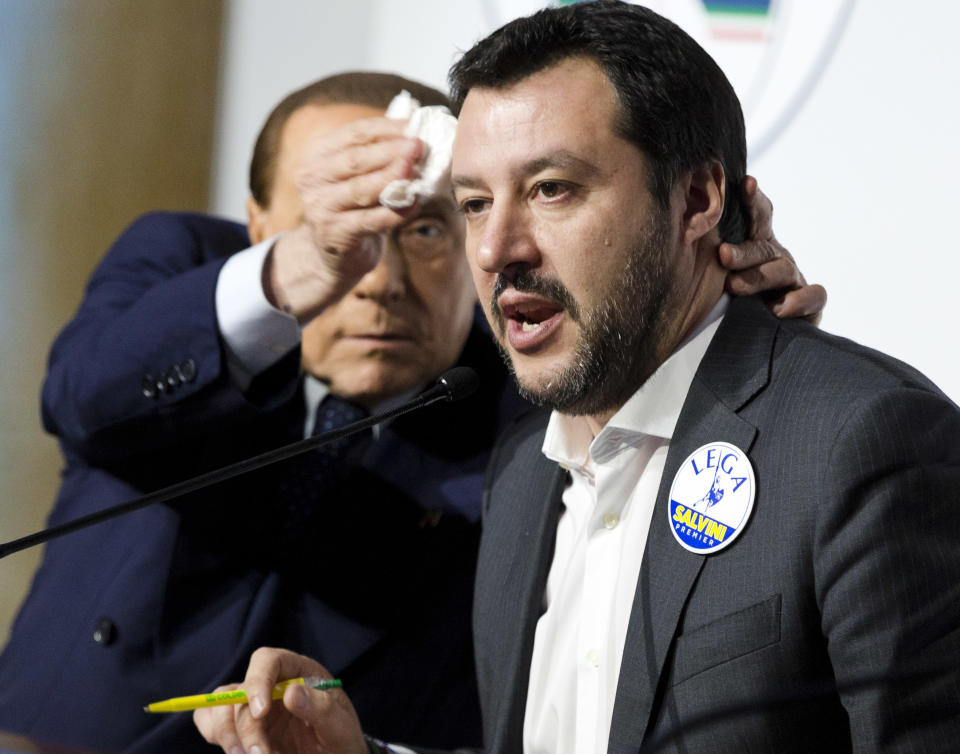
x,y
305,480
333,413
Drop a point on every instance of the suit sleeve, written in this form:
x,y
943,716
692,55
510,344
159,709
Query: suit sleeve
x,y
887,565
141,363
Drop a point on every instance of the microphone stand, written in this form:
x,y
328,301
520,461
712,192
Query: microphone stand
x,y
453,385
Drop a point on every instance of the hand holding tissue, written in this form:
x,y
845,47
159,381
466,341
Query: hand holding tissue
x,y
435,126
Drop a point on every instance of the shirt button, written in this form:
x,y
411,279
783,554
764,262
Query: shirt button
x,y
593,657
610,520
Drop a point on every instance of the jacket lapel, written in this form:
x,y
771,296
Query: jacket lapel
x,y
515,556
735,367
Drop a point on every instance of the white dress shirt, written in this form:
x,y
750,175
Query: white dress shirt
x,y
255,334
601,536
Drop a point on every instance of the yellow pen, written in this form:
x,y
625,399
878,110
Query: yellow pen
x,y
237,696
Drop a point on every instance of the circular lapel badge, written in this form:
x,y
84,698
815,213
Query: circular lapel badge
x,y
711,497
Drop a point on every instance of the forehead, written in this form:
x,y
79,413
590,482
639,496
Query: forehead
x,y
568,108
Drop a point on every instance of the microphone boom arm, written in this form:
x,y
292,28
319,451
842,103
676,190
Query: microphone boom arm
x,y
453,385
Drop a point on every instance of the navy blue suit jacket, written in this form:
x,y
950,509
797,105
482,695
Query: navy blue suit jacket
x,y
172,599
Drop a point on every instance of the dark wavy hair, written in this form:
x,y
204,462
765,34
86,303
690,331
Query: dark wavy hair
x,y
676,105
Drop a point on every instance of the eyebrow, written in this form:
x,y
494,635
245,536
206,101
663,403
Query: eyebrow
x,y
438,204
562,158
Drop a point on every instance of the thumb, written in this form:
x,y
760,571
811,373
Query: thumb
x,y
330,714
297,700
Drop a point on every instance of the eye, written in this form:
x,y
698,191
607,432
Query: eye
x,y
470,207
551,190
426,229
423,238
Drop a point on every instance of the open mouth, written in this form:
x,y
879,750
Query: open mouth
x,y
531,316
529,320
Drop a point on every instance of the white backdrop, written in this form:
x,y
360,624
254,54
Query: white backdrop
x,y
861,175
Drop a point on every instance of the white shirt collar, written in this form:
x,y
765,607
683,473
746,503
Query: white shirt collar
x,y
652,410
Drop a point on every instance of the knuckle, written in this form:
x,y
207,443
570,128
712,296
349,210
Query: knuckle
x,y
201,722
213,725
751,278
815,298
260,654
769,251
785,272
736,255
354,131
775,249
376,221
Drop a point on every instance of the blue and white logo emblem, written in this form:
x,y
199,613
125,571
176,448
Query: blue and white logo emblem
x,y
711,497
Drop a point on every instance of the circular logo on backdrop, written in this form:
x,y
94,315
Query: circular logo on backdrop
x,y
773,51
711,497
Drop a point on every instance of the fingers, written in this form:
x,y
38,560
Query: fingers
x,y
331,717
761,265
268,667
807,302
262,726
364,148
355,177
362,191
760,246
339,182
760,208
768,276
752,253
366,130
355,134
217,725
340,185
355,160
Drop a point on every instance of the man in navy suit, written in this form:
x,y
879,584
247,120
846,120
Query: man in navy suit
x,y
723,532
185,355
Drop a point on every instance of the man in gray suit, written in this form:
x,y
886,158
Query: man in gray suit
x,y
727,533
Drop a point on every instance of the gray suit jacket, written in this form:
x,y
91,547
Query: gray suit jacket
x,y
831,624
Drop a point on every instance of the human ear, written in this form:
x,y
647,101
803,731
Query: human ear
x,y
704,195
256,221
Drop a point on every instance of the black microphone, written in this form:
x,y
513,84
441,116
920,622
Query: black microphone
x,y
453,385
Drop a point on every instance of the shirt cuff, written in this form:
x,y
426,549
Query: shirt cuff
x,y
255,334
377,746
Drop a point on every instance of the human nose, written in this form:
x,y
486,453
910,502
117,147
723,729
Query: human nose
x,y
506,241
388,280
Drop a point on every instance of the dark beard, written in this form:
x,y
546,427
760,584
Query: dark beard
x,y
619,339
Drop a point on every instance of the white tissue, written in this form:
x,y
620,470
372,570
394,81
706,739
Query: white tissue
x,y
435,126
